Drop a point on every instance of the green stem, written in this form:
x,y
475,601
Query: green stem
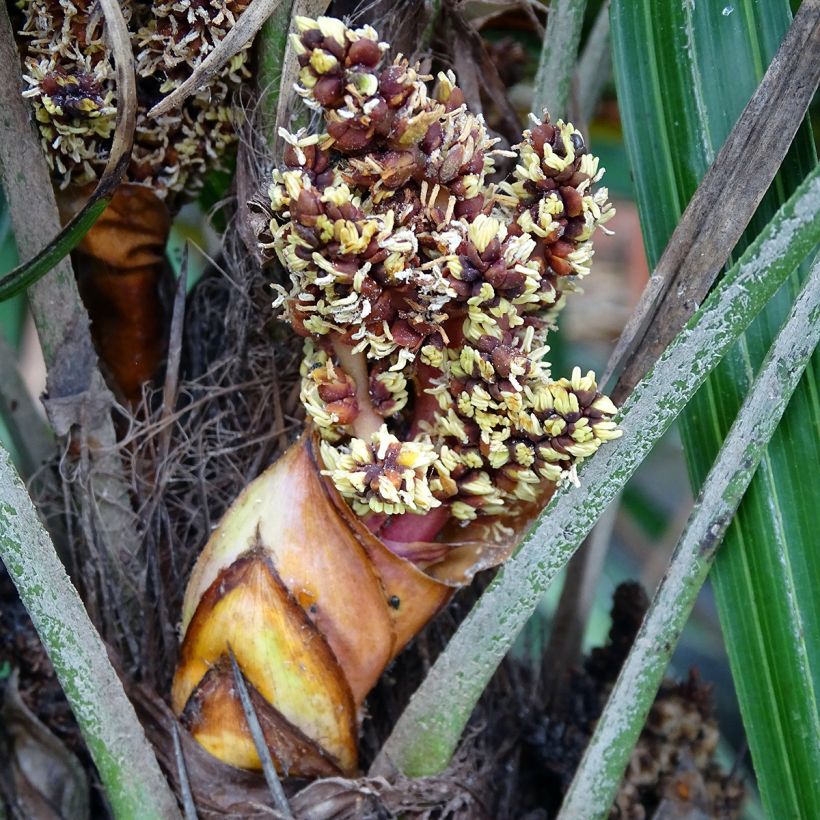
x,y
429,729
558,52
25,275
125,760
602,768
273,41
30,437
594,68
78,400
355,365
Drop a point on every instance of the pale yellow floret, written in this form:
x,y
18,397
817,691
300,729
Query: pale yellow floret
x,y
483,229
332,27
607,430
432,356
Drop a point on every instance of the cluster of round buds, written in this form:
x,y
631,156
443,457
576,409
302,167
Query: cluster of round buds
x,y
384,476
180,34
510,439
363,105
71,84
328,394
383,119
427,293
552,196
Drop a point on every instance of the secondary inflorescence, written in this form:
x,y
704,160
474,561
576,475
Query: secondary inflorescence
x,y
71,83
426,292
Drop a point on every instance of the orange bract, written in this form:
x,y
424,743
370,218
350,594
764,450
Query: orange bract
x,y
121,266
313,606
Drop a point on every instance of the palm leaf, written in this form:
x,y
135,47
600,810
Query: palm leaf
x,y
699,65
599,775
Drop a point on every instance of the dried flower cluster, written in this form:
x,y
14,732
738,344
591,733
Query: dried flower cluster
x,y
426,293
70,73
674,770
675,758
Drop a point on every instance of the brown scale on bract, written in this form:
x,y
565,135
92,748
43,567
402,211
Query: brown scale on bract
x,y
71,84
398,248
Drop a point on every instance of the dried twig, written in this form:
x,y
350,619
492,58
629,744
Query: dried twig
x,y
187,797
268,767
476,71
171,385
245,29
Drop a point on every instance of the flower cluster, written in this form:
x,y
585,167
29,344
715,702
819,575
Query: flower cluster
x,y
425,293
71,83
386,476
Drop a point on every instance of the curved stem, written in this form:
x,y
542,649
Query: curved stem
x,y
355,365
126,762
602,767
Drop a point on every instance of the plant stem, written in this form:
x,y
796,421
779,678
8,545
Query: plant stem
x,y
128,768
567,630
355,365
78,399
594,69
273,42
289,70
434,10
602,767
31,437
558,52
428,731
